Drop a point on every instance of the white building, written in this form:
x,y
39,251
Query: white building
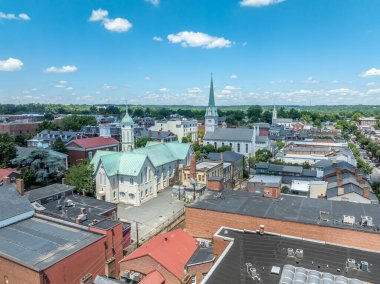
x,y
245,141
134,176
181,128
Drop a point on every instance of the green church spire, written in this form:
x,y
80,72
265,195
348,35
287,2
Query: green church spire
x,y
211,99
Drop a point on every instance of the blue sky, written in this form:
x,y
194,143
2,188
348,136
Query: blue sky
x,y
163,51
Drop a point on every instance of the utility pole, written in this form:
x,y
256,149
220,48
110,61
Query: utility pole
x,y
137,234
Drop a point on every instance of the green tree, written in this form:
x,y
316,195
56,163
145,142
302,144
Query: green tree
x,y
28,176
280,144
356,116
223,149
59,146
81,176
262,155
48,125
49,116
44,165
76,122
141,142
254,111
8,150
305,118
22,140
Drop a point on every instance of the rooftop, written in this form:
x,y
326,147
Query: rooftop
x,y
228,156
38,244
93,142
201,255
230,134
46,191
265,251
292,209
172,250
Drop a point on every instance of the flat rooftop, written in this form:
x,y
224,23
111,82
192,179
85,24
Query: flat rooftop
x,y
291,208
208,165
38,244
266,251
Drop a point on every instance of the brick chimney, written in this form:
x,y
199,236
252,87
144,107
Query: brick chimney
x,y
87,279
193,166
20,186
110,268
6,180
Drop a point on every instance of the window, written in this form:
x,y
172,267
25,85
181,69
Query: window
x,y
231,146
194,280
238,147
121,180
146,191
114,195
222,144
246,148
131,181
215,145
90,155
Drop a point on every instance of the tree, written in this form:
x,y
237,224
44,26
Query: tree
x,y
22,140
8,150
356,116
262,155
186,139
254,111
81,177
44,165
141,142
28,176
223,149
76,122
49,116
280,144
48,125
59,146
305,118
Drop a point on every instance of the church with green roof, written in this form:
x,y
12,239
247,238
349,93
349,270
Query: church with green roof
x,y
134,176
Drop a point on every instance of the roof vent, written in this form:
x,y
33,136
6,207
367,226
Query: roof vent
x,y
364,266
299,253
290,252
349,220
351,263
324,216
366,221
69,203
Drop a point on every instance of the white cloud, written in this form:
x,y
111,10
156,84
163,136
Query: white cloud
x,y
21,16
62,69
231,88
59,86
371,84
370,72
157,38
259,3
153,2
197,39
11,64
147,78
245,43
373,92
119,25
311,80
69,88
234,76
163,90
195,90
62,82
98,15
334,81
108,87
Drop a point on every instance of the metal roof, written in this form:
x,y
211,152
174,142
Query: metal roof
x,y
228,156
230,134
38,243
46,191
266,251
291,208
201,255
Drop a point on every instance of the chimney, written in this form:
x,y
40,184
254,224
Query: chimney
x,y
110,268
63,180
222,157
6,180
366,192
193,166
87,279
262,230
20,186
83,210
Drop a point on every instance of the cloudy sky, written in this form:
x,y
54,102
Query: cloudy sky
x,y
163,51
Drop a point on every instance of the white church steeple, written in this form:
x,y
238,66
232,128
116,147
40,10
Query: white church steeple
x,y
127,132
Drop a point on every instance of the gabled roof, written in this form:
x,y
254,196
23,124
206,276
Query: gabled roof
x,y
13,206
154,277
228,156
230,134
46,191
93,142
125,163
172,250
163,153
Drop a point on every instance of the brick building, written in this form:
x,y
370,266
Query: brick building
x,y
80,149
336,222
18,128
172,257
10,173
37,249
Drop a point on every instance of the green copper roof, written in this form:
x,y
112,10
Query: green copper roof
x,y
124,163
211,109
163,153
130,163
127,119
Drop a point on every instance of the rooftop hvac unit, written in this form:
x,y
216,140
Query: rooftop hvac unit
x,y
299,253
59,207
324,215
69,203
349,220
364,266
125,274
290,252
366,221
351,263
252,272
136,276
82,217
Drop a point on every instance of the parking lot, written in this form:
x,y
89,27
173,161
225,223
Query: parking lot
x,y
151,214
